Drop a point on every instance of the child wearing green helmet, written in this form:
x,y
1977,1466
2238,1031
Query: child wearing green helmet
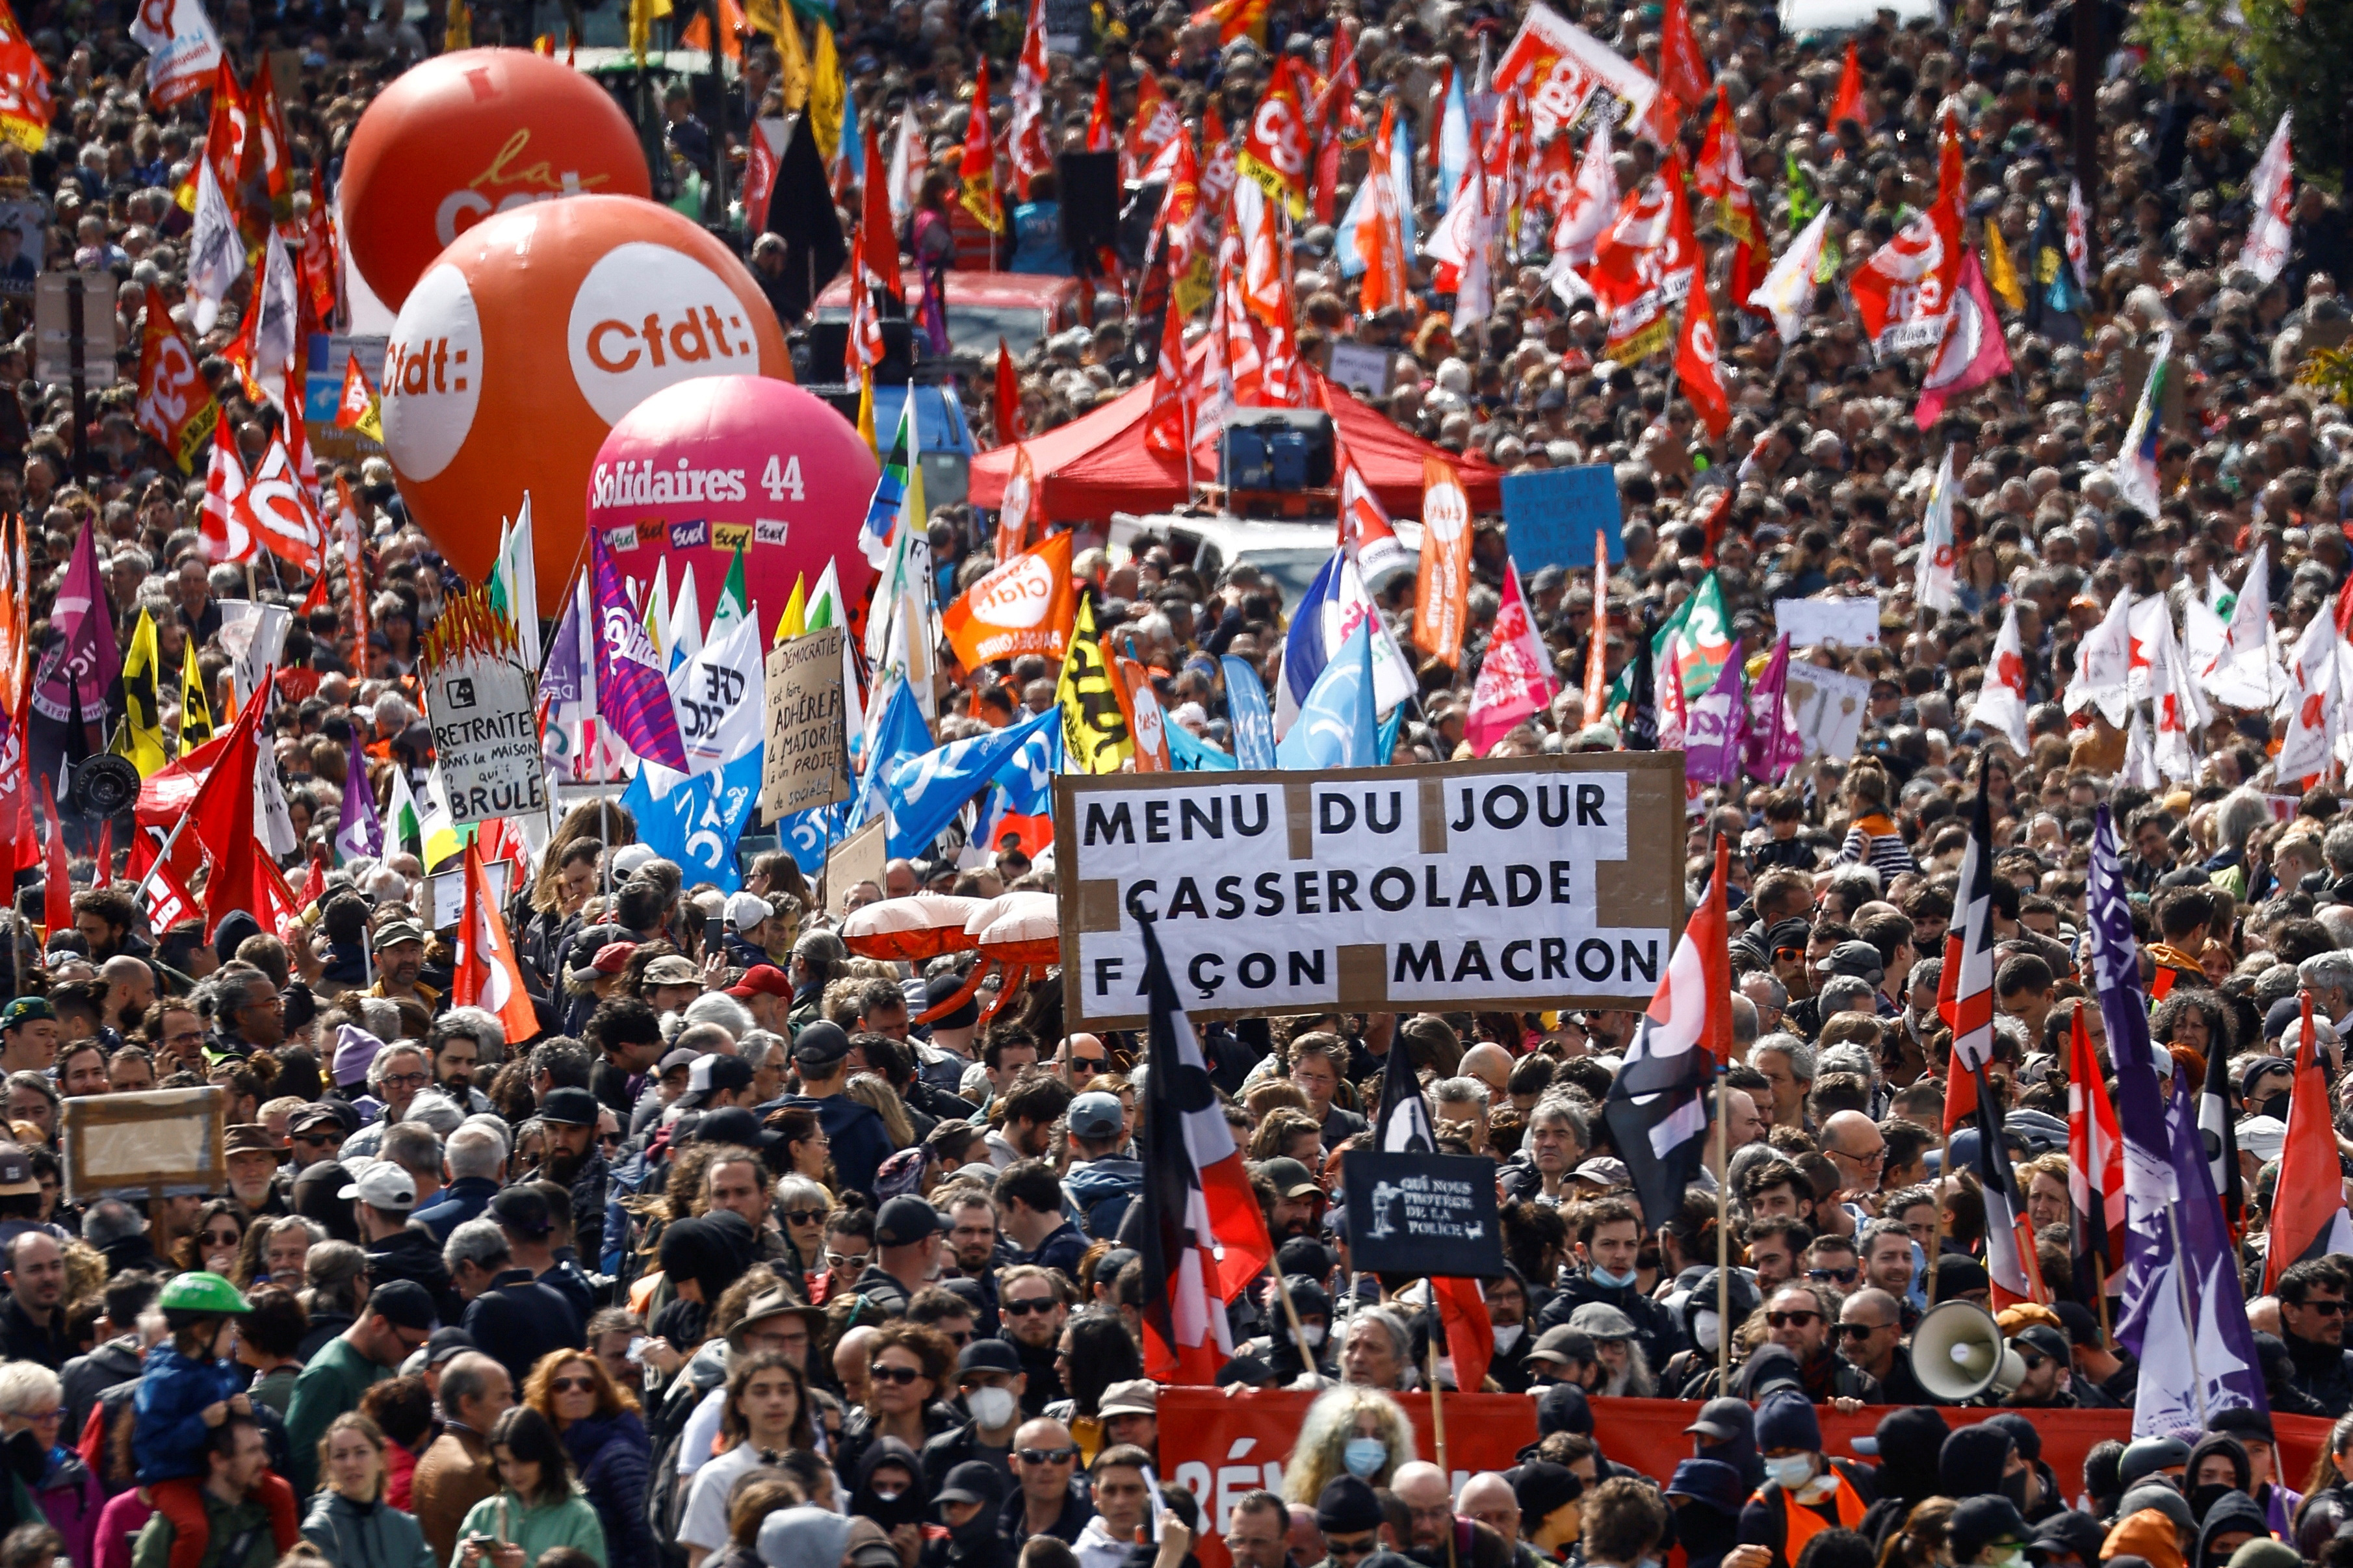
x,y
188,1385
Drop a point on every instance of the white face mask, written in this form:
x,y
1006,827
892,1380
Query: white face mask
x,y
1708,1328
991,1407
1508,1336
1793,1471
1312,1335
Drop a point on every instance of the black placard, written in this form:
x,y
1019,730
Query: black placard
x,y
1431,1215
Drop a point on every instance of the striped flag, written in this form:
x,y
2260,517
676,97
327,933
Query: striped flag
x,y
1657,1110
1964,992
2309,1218
2010,1259
1202,1236
487,974
2096,1168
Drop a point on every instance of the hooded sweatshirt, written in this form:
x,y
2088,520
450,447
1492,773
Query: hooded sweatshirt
x,y
2235,1514
2147,1535
806,1538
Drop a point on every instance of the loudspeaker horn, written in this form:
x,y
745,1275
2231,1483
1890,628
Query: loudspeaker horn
x,y
1959,1353
105,786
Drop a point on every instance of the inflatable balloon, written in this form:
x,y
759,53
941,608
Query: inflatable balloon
x,y
705,468
465,135
519,349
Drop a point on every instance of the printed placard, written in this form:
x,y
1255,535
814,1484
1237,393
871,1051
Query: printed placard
x,y
1431,1215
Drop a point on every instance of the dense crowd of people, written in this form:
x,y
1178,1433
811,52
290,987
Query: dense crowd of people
x,y
732,1262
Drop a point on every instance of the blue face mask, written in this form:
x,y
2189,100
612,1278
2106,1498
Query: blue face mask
x,y
1365,1456
1601,1276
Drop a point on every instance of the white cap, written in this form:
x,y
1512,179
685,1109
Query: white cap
x,y
383,1185
745,911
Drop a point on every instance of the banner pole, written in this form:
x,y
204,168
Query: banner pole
x,y
1290,1315
1944,1175
139,893
1438,1424
1723,1237
2100,1281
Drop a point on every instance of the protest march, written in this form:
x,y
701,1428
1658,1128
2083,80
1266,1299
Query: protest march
x,y
1007,783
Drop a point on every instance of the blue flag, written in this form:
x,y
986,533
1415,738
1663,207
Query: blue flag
x,y
806,835
694,820
1337,727
900,737
1192,754
1019,804
925,791
1386,747
1247,709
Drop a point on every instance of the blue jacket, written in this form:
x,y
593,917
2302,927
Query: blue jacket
x,y
614,1459
468,1197
859,1142
168,1438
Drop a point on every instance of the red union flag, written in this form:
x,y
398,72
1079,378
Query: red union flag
x,y
1904,291
1643,264
277,511
182,50
24,102
1697,367
1559,65
1025,606
176,404
1274,153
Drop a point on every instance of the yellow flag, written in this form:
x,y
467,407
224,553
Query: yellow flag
x,y
764,17
458,33
827,93
795,620
643,15
1095,726
793,77
866,409
142,736
2001,274
196,708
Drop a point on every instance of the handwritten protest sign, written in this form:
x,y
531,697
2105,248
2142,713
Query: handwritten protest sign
x,y
802,765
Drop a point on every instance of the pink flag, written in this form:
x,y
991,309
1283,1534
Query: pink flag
x,y
1714,730
1515,676
1772,746
1972,351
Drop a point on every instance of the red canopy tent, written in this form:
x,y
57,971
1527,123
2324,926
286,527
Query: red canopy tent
x,y
1098,464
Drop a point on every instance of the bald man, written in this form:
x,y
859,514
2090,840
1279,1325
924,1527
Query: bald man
x,y
1491,1064
1487,1498
1859,1154
851,1356
1421,1486
129,990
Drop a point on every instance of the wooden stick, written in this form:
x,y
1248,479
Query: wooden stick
x,y
1437,1435
1936,1256
1723,1240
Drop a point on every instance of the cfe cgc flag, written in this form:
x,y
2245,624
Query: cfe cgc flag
x,y
175,403
479,697
1025,606
183,49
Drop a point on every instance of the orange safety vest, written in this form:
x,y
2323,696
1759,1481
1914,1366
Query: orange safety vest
x,y
1800,1523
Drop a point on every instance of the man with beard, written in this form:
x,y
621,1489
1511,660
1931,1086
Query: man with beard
x,y
130,991
1036,1306
1608,1235
1298,1205
104,917
976,1252
458,1047
1798,1318
253,1152
399,963
572,1161
397,1250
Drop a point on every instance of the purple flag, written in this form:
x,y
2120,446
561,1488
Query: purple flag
x,y
1715,729
632,689
362,830
81,659
1772,746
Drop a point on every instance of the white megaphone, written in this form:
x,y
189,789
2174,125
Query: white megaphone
x,y
1958,1353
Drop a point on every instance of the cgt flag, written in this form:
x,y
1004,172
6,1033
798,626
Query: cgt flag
x,y
1200,1230
175,403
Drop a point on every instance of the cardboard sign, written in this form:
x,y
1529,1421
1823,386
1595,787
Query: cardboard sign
x,y
804,763
1828,706
486,735
73,328
1514,883
1422,1214
861,858
1362,366
445,892
164,1142
1850,623
1550,517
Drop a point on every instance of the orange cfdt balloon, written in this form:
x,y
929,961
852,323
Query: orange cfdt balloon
x,y
465,135
526,340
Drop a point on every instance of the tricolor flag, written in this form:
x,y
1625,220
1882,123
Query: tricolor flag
x,y
487,974
2010,1259
1657,1111
2095,1169
1964,992
2135,462
1200,1230
2308,1217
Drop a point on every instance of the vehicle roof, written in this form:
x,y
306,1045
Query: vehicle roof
x,y
1039,288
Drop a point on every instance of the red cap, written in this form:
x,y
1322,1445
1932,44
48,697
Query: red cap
x,y
762,980
612,956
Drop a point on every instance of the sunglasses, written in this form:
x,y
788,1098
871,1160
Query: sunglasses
x,y
1842,1276
318,1139
1089,1064
845,1259
221,1238
2325,1308
1049,1456
2034,1362
1783,1320
572,1386
1860,1331
1028,1305
803,1216
902,1375
1364,1548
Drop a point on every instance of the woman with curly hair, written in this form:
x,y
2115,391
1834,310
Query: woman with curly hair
x,y
1351,1431
1286,1133
907,1372
602,1431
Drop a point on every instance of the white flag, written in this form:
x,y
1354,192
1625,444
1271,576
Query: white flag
x,y
2312,720
1932,585
2001,699
2273,195
1788,289
182,50
2078,239
2245,673
216,250
2104,664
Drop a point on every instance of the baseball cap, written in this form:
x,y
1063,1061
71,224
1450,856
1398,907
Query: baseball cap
x,y
1563,1345
728,1124
2263,1136
1096,1114
1290,1177
381,1184
25,1010
715,1075
404,1304
675,1060
17,1178
2042,1340
570,1107
975,1480
317,1115
612,958
762,980
1858,959
445,1343
745,911
392,933
820,1042
993,1355
521,1208
1603,1170
629,858
671,969
905,1220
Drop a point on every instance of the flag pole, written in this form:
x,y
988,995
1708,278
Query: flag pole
x,y
1944,1175
2100,1280
139,893
1723,1232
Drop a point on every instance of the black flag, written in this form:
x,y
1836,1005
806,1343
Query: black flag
x,y
801,209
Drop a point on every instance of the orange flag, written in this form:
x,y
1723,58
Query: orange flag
x,y
1026,606
1441,590
487,974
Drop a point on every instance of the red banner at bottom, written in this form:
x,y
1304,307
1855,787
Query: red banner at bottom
x,y
1222,1448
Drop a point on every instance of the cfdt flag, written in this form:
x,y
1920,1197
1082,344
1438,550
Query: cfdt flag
x,y
1657,1111
1200,1230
